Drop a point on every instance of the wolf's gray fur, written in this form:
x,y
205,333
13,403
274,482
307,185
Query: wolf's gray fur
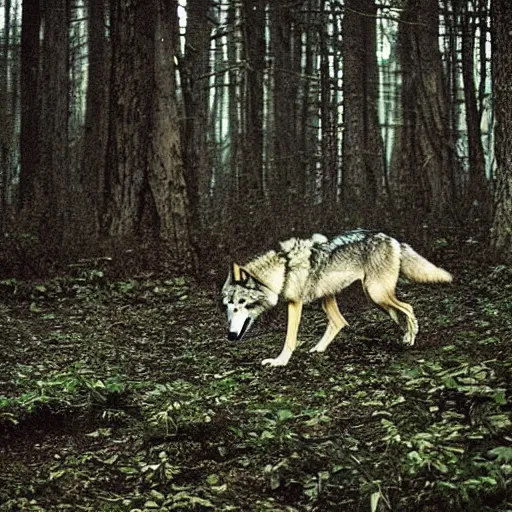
x,y
303,270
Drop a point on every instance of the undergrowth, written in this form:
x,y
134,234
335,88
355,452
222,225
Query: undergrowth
x,y
123,395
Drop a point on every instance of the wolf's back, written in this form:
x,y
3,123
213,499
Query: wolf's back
x,y
417,268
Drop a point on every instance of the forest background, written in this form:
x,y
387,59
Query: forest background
x,y
212,125
147,144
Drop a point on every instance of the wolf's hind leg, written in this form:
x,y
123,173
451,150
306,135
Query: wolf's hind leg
x,y
386,299
336,323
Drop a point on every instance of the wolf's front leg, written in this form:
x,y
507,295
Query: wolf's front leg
x,y
281,360
294,314
336,323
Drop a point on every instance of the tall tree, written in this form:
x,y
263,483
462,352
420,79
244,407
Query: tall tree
x,y
309,118
53,176
287,184
363,147
501,233
44,177
478,192
254,50
30,101
328,110
7,119
195,87
424,177
145,186
92,174
226,189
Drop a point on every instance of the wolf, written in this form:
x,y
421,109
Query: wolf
x,y
303,270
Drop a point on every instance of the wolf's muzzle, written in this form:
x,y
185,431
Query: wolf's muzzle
x,y
238,335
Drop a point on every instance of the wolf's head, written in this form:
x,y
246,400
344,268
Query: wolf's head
x,y
245,298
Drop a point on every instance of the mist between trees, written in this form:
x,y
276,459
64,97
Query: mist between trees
x,y
199,122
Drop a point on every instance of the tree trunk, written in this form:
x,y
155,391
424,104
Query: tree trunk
x,y
7,120
233,104
195,86
287,184
46,172
309,120
254,47
363,147
327,108
427,163
501,233
92,174
145,187
30,103
477,193
166,172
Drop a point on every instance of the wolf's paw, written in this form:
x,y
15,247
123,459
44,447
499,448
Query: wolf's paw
x,y
408,339
317,348
275,362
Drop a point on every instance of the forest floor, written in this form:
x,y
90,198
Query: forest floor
x,y
124,395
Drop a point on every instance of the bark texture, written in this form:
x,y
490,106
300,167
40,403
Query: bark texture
x,y
145,188
501,234
424,180
363,148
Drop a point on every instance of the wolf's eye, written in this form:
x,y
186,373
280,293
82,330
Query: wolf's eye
x,y
242,301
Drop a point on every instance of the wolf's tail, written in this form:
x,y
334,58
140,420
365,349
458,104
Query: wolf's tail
x,y
417,268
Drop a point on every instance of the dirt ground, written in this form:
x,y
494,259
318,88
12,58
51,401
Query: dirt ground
x,y
124,395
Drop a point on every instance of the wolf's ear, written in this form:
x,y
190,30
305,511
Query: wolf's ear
x,y
235,272
228,281
235,275
240,275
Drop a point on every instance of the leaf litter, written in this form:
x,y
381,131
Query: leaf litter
x,y
123,395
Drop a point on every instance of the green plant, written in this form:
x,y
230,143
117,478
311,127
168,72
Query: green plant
x,y
174,405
